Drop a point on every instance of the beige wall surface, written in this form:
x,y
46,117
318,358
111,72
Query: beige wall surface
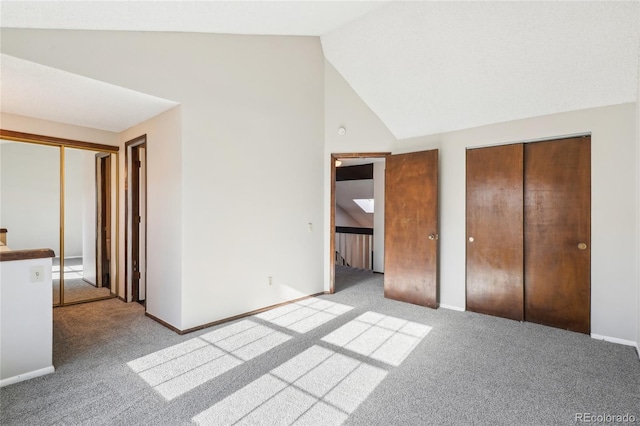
x,y
250,151
614,254
164,214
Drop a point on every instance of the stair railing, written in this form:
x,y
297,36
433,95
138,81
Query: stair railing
x,y
354,247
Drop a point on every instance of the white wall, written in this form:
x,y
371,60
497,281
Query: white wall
x,y
345,219
252,176
365,133
614,252
26,321
164,214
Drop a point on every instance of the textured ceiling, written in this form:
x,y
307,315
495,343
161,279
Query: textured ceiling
x,y
431,67
422,67
311,18
35,90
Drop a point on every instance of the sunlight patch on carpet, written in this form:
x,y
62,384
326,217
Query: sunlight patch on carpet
x,y
180,368
304,315
318,386
380,337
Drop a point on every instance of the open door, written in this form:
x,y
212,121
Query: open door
x,y
411,228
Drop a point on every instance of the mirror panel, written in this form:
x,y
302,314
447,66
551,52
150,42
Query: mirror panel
x,y
30,199
89,228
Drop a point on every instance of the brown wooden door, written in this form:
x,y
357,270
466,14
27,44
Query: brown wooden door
x,y
411,228
557,227
495,274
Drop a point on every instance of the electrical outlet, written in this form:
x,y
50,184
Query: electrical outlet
x,y
310,227
270,280
36,274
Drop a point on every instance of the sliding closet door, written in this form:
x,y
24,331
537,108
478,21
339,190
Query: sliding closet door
x,y
495,231
558,233
411,228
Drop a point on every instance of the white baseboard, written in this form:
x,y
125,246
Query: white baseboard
x,y
26,376
452,308
615,340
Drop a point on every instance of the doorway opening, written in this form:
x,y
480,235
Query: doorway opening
x,y
136,220
410,225
357,233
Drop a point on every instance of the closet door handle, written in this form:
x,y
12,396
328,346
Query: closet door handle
x,y
582,246
433,236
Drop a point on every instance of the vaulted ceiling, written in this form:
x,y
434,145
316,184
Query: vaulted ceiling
x,y
422,67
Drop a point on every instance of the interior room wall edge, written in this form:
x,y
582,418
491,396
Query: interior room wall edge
x,y
614,203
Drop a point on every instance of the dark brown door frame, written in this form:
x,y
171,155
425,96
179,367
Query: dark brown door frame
x,y
103,219
332,201
135,145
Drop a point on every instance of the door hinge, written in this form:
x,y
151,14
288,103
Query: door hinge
x,y
138,275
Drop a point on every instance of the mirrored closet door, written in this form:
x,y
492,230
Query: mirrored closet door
x,y
63,195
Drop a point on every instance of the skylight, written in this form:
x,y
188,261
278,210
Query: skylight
x,y
365,204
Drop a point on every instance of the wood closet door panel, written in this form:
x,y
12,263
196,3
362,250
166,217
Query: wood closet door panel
x,y
494,212
411,228
558,233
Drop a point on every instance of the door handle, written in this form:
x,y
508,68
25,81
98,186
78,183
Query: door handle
x,y
433,236
471,239
582,246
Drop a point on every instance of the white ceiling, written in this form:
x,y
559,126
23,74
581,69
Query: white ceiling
x,y
310,18
430,67
422,67
39,91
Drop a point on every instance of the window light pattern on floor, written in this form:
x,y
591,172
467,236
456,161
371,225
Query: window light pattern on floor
x,y
318,386
380,337
304,315
181,368
70,272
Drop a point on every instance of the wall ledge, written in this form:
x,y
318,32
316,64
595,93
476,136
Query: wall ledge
x,y
10,255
